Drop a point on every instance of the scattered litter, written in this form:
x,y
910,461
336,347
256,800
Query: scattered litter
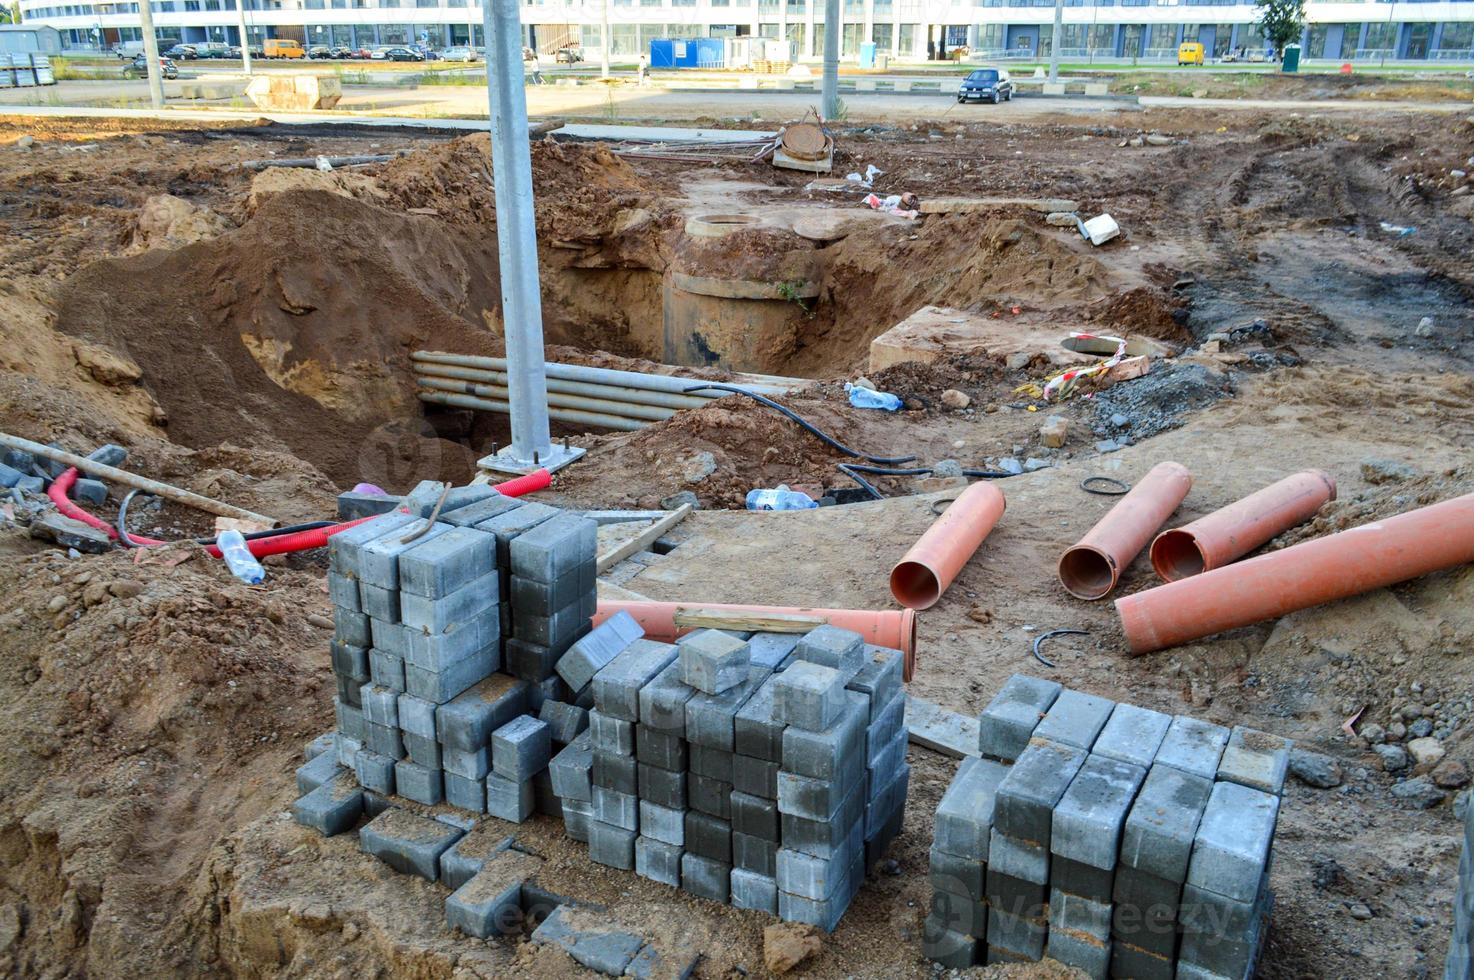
x,y
868,178
1105,486
870,398
1044,636
1401,231
1099,229
238,558
1063,385
900,205
324,164
779,498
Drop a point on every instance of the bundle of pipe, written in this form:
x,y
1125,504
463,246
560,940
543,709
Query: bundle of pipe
x,y
621,400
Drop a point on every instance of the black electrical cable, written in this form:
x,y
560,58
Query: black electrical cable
x,y
1039,640
123,518
1113,487
799,420
275,532
853,471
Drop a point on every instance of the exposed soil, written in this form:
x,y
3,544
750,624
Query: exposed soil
x,y
249,337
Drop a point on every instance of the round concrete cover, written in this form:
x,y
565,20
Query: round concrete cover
x,y
805,141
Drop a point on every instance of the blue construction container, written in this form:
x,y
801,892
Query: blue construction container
x,y
687,52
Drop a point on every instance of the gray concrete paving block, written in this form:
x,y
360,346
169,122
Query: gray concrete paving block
x,y
510,799
389,637
1021,859
757,777
347,750
660,749
353,506
611,845
343,592
956,876
601,949
617,809
1132,735
609,734
816,878
821,837
1075,718
1084,952
481,511
757,733
1023,937
490,902
349,691
521,747
417,783
349,720
1145,911
665,824
468,794
1232,845
572,770
964,817
879,678
465,857
407,842
319,769
416,715
333,807
887,807
545,598
651,963
1076,914
951,949
823,914
751,890
1028,794
578,817
382,604
755,816
834,752
448,683
1163,822
1132,961
345,549
467,720
1009,720
1081,879
658,861
755,854
560,630
1193,746
378,560
1255,759
706,878
712,796
617,772
617,686
711,718
374,771
712,661
771,650
323,744
555,547
809,696
663,702
1224,953
532,662
386,670
565,721
709,836
471,765
593,652
664,787
354,629
1089,817
830,646
444,565
545,801
506,526
450,612
349,661
810,798
885,727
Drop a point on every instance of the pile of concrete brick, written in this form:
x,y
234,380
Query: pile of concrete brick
x,y
1111,838
761,770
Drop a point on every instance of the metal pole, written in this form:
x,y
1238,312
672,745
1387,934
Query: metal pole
x,y
604,42
516,235
151,53
1059,20
830,103
240,21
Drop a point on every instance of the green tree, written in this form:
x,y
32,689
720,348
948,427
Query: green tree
x,y
1280,22
10,13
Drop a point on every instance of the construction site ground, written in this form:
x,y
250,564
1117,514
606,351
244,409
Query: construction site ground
x,y
247,335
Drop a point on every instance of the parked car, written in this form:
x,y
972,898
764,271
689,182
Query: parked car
x,y
379,52
568,56
1189,53
362,54
283,47
256,51
403,54
460,54
212,50
986,85
138,68
182,52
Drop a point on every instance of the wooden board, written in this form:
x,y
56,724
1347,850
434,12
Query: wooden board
x,y
933,727
642,540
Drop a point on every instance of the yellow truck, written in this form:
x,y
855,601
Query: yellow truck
x,y
1190,53
282,48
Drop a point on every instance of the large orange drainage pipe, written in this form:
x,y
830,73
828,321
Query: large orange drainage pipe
x,y
1091,568
1336,566
924,572
893,628
1221,537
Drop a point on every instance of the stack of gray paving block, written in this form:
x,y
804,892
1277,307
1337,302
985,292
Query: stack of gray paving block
x,y
553,598
1459,964
1114,839
702,771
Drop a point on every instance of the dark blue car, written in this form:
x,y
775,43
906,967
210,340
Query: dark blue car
x,y
986,85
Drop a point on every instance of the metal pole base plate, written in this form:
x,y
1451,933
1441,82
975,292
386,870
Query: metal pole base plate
x,y
508,462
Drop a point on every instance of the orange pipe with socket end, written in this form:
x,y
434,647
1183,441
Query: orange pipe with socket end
x,y
924,572
892,628
1230,533
1336,566
1091,568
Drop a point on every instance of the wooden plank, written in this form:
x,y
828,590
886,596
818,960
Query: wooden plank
x,y
644,539
735,619
960,205
933,727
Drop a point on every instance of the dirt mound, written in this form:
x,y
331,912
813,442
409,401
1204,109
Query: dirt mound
x,y
1143,310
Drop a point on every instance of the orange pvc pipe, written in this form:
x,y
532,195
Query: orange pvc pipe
x,y
925,571
1336,566
1091,569
891,628
1230,533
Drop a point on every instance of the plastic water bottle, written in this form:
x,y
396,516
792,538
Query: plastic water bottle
x,y
780,498
862,397
238,558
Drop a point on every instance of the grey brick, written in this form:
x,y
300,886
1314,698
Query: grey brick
x,y
1159,831
757,777
603,951
656,748
709,795
343,592
1089,817
823,914
1083,952
451,611
952,949
555,547
468,794
444,565
810,798
830,646
879,678
1021,859
347,751
416,715
663,823
1255,759
662,786
572,770
886,809
883,766
1009,720
712,661
816,878
1015,896
706,878
345,549
771,650
521,747
331,808
422,751
415,782
954,875
831,753
565,721
1083,880
324,744
316,771
885,727
507,525
758,855
445,685
378,561
1132,735
382,604
467,721
349,661
509,799
560,630
1076,914
821,837
1232,845
384,740
658,861
711,718
1024,937
754,816
613,735
757,733
619,809
350,720
1228,953
352,506
712,763
617,686
530,661
663,702
1145,911
809,696
1131,961
1028,794
616,772
467,856
474,764
543,598
964,818
751,890
593,652
390,637
578,817
481,511
349,691
709,836
1193,746
490,902
408,843
354,629
441,651
611,845
1075,718
386,670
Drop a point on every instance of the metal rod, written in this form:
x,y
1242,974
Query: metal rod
x,y
607,376
612,393
127,479
647,413
557,414
830,103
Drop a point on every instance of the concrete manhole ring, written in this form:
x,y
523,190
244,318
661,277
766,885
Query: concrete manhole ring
x,y
717,225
